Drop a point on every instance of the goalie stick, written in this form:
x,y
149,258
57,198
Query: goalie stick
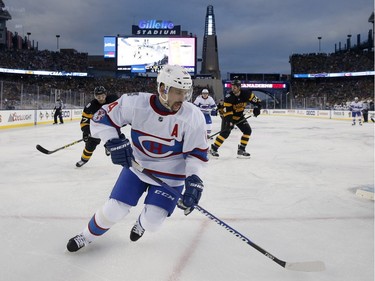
x,y
46,151
307,266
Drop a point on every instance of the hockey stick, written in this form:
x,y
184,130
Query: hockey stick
x,y
46,151
308,266
234,125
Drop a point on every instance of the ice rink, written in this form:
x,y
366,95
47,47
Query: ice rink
x,y
295,198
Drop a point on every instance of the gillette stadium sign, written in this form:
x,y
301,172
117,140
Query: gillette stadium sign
x,y
155,28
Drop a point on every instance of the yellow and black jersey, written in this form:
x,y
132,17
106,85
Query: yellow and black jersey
x,y
90,110
235,105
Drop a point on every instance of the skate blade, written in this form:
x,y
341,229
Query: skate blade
x,y
243,157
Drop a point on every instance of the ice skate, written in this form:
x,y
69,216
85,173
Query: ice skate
x,y
213,151
136,232
77,242
241,153
80,163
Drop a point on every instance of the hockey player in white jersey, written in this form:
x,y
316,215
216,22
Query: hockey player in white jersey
x,y
168,139
356,109
206,104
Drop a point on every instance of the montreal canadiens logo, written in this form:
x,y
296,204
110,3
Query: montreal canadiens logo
x,y
156,147
99,115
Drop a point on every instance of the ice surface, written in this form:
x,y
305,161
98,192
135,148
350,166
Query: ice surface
x,y
295,198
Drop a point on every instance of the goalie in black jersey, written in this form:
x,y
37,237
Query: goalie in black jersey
x,y
91,143
235,103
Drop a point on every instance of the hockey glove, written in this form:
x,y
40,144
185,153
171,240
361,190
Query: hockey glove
x,y
256,111
121,152
192,194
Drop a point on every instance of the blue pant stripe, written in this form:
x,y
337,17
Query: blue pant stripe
x,y
95,229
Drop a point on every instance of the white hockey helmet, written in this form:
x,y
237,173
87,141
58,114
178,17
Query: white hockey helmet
x,y
177,77
205,91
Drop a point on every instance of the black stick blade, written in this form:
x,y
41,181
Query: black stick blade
x,y
42,149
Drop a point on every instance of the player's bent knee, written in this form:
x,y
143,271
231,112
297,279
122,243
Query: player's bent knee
x,y
115,210
152,217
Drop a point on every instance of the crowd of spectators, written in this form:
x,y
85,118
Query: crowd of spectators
x,y
69,60
337,92
18,87
14,86
344,61
334,91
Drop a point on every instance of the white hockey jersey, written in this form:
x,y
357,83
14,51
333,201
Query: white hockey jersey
x,y
356,106
170,145
205,105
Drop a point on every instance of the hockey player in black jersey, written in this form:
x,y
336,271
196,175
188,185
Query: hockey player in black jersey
x,y
91,143
234,105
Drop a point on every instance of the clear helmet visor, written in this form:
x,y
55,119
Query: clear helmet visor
x,y
187,93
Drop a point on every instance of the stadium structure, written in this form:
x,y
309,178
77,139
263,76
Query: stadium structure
x,y
4,17
153,43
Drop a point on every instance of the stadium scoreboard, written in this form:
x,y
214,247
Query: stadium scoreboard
x,y
153,44
148,54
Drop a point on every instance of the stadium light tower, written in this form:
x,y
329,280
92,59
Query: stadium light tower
x,y
28,40
4,17
210,59
371,20
319,38
348,43
57,38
